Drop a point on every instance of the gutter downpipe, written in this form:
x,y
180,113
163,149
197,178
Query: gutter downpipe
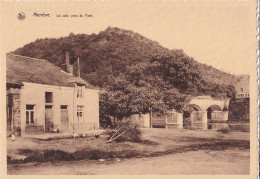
x,y
74,106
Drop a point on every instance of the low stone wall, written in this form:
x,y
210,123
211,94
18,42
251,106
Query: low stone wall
x,y
158,121
219,115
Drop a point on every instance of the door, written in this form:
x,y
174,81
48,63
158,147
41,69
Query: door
x,y
64,118
48,119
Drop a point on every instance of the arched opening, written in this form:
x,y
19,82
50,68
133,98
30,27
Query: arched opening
x,y
187,113
211,109
191,107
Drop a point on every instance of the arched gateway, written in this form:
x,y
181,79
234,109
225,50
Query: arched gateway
x,y
206,108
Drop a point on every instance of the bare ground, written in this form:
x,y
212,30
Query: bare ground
x,y
179,151
164,139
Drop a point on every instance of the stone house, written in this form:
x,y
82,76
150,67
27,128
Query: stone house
x,y
40,97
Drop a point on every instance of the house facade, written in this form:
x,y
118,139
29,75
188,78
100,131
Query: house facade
x,y
242,87
43,98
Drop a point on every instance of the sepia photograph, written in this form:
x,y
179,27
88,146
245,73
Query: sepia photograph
x,y
129,88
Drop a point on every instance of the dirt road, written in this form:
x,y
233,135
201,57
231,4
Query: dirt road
x,y
234,161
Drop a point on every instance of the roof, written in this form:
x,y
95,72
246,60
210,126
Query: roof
x,y
243,83
21,69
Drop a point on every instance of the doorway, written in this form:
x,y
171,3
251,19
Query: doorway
x,y
64,117
48,118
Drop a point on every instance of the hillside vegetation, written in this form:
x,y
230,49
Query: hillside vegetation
x,y
105,55
138,74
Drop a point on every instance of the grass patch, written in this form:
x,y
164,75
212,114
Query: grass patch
x,y
58,155
24,151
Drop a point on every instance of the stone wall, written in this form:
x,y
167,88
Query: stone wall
x,y
14,102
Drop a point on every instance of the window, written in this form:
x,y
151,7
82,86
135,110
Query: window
x,y
80,91
48,106
241,89
29,114
48,97
80,110
63,107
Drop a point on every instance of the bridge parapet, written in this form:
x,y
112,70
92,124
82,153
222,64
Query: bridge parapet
x,y
204,102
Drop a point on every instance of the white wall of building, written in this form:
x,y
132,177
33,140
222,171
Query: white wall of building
x,y
34,94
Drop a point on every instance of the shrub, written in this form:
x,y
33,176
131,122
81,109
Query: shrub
x,y
239,110
127,130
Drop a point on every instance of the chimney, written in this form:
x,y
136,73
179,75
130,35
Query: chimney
x,y
69,66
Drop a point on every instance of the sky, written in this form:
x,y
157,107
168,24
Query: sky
x,y
218,33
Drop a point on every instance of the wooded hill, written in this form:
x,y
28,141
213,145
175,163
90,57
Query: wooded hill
x,y
115,54
108,53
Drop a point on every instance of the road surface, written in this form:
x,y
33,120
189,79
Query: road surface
x,y
196,162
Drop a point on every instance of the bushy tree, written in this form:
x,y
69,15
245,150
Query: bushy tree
x,y
239,110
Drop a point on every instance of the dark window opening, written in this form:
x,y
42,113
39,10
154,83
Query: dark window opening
x,y
48,106
29,107
80,116
63,107
48,97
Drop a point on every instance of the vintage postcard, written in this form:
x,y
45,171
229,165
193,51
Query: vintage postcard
x,y
153,88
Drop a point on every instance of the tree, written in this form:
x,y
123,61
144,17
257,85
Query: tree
x,y
151,86
124,99
178,70
239,110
